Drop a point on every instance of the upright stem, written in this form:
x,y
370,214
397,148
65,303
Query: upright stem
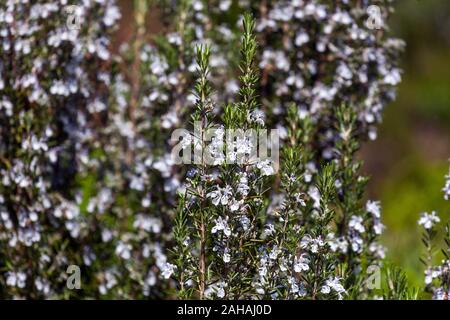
x,y
202,259
202,220
203,93
140,12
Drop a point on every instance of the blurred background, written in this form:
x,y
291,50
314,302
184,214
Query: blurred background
x,y
408,161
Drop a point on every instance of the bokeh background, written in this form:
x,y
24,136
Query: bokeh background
x,y
408,161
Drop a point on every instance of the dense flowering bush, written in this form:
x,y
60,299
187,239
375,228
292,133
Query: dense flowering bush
x,y
88,176
54,89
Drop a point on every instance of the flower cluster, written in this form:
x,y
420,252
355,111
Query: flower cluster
x,y
320,55
312,53
222,202
428,220
446,188
437,278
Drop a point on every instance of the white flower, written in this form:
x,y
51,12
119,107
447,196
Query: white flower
x,y
277,58
393,77
431,274
440,294
378,227
297,288
222,224
170,120
325,289
262,268
42,285
257,116
112,14
164,165
344,72
332,284
123,250
301,38
197,5
356,243
446,188
224,5
242,146
378,250
301,264
300,200
220,293
342,17
149,224
150,280
220,195
311,244
235,205
232,86
218,289
107,235
274,253
111,281
266,167
226,257
96,106
374,208
337,244
356,223
314,193
7,105
168,270
244,221
242,187
428,220
16,279
269,229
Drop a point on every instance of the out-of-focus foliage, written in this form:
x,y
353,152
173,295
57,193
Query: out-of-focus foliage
x,y
408,162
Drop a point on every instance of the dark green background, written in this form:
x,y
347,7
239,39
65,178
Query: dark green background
x,y
410,158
